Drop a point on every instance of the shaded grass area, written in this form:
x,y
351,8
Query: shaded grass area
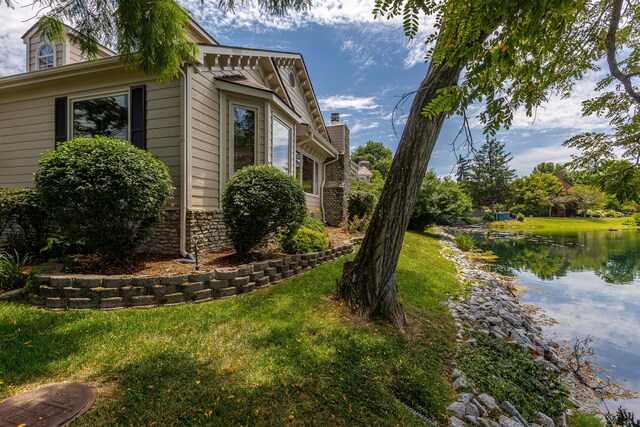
x,y
561,224
288,354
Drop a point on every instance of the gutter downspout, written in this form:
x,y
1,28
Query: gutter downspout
x,y
324,180
185,159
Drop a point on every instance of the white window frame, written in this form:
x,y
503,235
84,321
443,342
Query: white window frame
x,y
95,95
52,55
246,105
316,173
292,151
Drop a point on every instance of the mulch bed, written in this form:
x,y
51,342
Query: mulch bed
x,y
159,264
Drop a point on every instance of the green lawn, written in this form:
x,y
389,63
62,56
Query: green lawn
x,y
285,355
561,224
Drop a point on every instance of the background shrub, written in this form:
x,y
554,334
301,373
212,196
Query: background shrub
x,y
636,218
312,236
11,271
520,217
260,200
105,193
26,224
361,203
465,241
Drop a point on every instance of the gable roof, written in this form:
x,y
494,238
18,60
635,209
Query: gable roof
x,y
69,31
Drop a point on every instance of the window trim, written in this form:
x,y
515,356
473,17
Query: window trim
x,y
93,95
316,181
52,55
247,105
292,150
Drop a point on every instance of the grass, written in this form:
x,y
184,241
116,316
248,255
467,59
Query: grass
x,y
583,419
561,224
285,355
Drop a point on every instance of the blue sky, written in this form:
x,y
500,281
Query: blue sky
x,y
360,67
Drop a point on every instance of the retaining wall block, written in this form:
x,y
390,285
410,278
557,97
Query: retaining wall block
x,y
42,279
37,300
262,282
295,257
275,263
219,284
226,273
256,275
276,278
162,290
270,271
191,287
132,291
60,281
71,292
115,281
297,271
112,302
226,292
245,270
87,281
55,303
82,303
259,266
239,282
201,276
142,300
202,294
144,281
287,274
248,287
103,292
49,292
174,280
174,298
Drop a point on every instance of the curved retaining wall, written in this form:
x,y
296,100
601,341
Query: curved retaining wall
x,y
58,292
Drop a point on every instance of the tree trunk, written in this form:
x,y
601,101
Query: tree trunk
x,y
368,285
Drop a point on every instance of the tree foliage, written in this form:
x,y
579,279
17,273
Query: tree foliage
x,y
378,156
490,178
439,202
538,193
587,197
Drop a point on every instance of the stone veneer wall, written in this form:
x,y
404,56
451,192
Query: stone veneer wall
x,y
110,292
204,228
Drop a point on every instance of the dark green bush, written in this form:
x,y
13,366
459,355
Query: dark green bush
x,y
636,218
310,237
361,203
520,216
104,193
439,202
258,201
26,224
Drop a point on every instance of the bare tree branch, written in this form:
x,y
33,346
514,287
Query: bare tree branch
x,y
610,43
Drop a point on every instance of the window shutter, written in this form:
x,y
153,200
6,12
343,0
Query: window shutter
x,y
138,117
60,120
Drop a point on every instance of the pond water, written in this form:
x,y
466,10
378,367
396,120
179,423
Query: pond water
x,y
589,282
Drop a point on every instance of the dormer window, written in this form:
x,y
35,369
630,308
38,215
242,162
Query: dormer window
x,y
46,57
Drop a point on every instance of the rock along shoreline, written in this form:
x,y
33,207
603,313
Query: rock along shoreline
x,y
491,308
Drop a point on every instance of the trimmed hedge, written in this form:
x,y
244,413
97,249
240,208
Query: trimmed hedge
x,y
105,193
22,218
258,201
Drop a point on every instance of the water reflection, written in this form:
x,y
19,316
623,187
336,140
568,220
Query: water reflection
x,y
589,283
612,256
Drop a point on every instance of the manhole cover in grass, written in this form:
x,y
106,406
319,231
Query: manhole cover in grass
x,y
51,406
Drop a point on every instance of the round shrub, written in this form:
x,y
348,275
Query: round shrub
x,y
310,237
260,200
520,217
104,193
361,203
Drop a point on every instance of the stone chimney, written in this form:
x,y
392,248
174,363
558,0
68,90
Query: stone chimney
x,y
338,178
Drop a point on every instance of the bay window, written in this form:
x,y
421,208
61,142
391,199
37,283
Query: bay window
x,y
281,151
307,173
244,137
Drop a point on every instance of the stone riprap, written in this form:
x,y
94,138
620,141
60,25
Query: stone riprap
x,y
59,292
491,308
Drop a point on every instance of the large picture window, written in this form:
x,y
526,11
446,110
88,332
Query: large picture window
x,y
307,173
244,137
106,116
281,146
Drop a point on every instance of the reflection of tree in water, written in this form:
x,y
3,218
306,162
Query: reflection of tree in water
x,y
107,116
613,257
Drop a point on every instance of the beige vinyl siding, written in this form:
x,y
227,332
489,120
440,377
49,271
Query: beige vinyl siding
x,y
205,142
298,100
27,120
35,43
75,52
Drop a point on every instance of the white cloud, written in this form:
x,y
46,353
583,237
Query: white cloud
x,y
526,160
358,127
361,56
348,102
15,22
